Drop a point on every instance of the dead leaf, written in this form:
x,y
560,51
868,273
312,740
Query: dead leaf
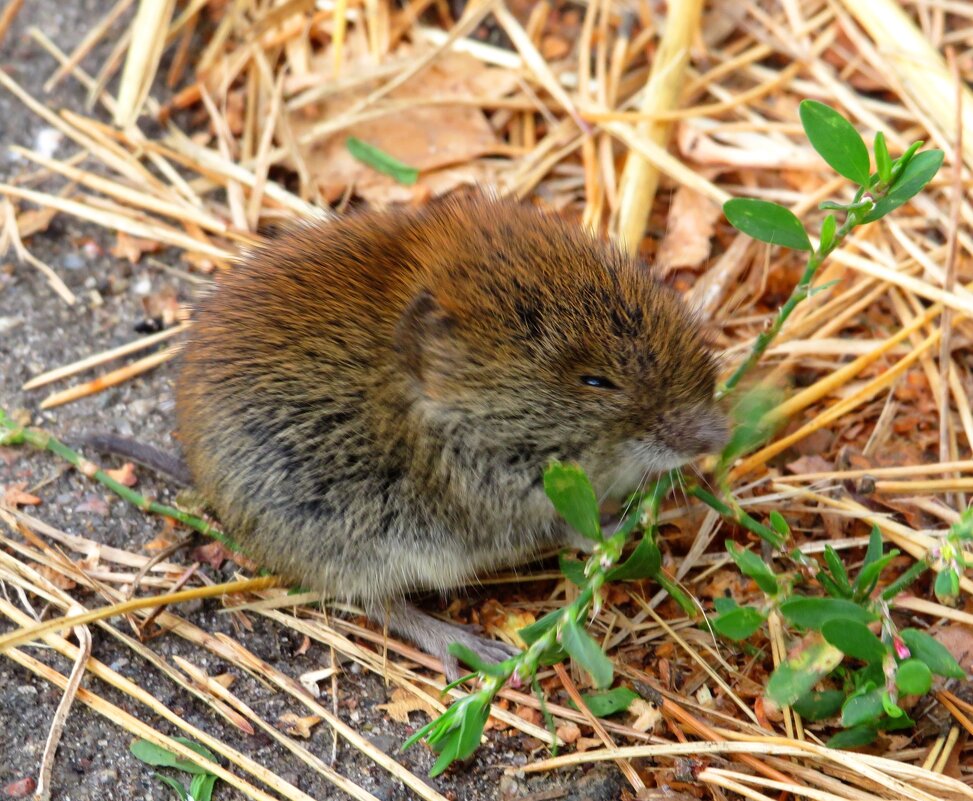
x,y
303,647
691,224
56,578
809,464
587,743
402,702
124,475
438,140
132,247
15,496
958,640
647,716
296,726
165,540
568,733
212,553
21,788
529,714
94,504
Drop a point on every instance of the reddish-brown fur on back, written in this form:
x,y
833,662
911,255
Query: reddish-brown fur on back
x,y
369,403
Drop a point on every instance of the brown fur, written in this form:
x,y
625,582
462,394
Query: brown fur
x,y
369,403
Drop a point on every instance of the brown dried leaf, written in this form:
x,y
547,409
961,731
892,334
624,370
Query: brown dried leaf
x,y
132,247
809,464
428,138
212,553
691,224
56,578
647,716
165,540
297,726
14,496
402,702
568,733
124,475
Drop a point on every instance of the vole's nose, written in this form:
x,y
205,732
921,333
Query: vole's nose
x,y
713,430
698,430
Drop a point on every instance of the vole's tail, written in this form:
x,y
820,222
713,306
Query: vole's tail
x,y
145,455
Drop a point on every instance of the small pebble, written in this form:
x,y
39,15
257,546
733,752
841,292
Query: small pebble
x,y
73,261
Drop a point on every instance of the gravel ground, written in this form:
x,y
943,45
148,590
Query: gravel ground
x,y
39,331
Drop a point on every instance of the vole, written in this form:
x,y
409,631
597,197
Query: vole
x,y
369,403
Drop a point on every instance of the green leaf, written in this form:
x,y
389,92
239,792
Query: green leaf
x,y
854,639
946,587
574,498
813,613
471,729
864,708
202,750
534,631
446,756
159,757
815,706
836,141
892,709
768,222
838,572
645,562
872,565
828,228
795,677
573,569
723,604
752,423
738,624
903,161
906,580
753,566
937,658
779,524
609,702
913,677
201,787
883,161
587,653
175,785
917,173
853,737
469,657
382,162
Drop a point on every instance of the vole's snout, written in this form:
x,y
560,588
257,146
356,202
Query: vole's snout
x,y
698,430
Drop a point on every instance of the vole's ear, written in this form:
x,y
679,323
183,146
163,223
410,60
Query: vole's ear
x,y
425,336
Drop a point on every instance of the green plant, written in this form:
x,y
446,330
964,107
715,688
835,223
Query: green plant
x,y
841,146
867,671
839,643
202,783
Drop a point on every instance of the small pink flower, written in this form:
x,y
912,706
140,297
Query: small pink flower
x,y
901,649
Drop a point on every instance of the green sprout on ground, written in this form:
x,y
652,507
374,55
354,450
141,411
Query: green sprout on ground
x,y
202,782
837,628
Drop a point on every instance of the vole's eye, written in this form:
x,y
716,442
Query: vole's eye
x,y
598,382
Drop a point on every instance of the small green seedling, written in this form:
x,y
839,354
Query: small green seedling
x,y
202,782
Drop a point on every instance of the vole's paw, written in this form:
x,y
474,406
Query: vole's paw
x,y
434,636
488,650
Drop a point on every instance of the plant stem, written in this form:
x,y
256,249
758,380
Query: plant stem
x,y
734,512
800,293
12,433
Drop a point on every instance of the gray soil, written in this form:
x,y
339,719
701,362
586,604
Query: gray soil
x,y
39,331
